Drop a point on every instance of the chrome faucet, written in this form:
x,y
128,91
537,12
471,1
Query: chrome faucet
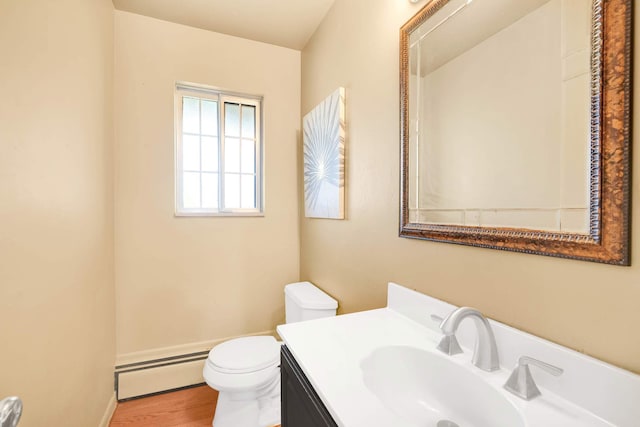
x,y
485,355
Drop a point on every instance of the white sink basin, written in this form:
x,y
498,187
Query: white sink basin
x,y
428,389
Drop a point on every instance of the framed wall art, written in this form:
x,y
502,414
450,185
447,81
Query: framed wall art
x,y
324,155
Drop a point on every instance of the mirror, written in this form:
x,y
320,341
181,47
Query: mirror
x,y
515,126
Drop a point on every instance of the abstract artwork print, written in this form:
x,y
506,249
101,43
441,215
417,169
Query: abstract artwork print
x,y
323,146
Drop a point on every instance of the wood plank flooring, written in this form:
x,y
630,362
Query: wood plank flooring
x,y
193,407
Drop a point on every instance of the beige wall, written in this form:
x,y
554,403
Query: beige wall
x,y
585,306
56,234
188,280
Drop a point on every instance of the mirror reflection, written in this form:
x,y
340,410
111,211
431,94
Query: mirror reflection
x,y
499,115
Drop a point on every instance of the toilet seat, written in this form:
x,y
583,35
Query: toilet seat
x,y
245,355
243,363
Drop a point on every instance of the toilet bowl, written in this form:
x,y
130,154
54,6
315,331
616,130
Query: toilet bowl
x,y
246,371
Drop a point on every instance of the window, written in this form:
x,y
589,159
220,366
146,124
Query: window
x,y
218,152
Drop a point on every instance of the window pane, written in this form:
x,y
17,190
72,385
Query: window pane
x,y
231,190
210,190
248,121
191,190
190,115
219,152
209,154
231,119
248,156
190,152
232,155
248,191
209,117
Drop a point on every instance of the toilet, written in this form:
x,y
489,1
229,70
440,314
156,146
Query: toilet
x,y
246,371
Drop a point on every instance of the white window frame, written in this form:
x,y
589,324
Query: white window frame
x,y
222,97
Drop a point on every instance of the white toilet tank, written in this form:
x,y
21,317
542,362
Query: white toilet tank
x,y
303,301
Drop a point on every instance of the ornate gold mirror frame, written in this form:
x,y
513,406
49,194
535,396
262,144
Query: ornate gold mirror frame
x,y
608,238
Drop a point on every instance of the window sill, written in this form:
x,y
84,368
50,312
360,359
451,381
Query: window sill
x,y
217,214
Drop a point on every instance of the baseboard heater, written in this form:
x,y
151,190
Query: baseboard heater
x,y
157,376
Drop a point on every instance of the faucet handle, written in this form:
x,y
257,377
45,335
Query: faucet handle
x,y
521,381
553,370
449,343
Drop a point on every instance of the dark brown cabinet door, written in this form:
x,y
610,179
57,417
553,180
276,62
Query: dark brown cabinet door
x,y
301,406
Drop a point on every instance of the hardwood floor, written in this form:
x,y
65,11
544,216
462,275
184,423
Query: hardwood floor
x,y
193,407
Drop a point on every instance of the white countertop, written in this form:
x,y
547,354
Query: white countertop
x,y
330,352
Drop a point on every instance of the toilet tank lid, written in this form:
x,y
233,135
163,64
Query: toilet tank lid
x,y
306,295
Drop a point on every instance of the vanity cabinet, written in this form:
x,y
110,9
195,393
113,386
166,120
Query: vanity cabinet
x,y
301,406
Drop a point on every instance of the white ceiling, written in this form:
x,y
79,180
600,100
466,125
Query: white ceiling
x,y
288,23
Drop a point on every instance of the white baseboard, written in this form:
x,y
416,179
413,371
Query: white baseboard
x,y
158,379
108,413
163,369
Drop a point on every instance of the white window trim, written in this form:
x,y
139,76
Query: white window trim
x,y
221,96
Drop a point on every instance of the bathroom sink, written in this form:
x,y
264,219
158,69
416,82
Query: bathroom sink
x,y
427,389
